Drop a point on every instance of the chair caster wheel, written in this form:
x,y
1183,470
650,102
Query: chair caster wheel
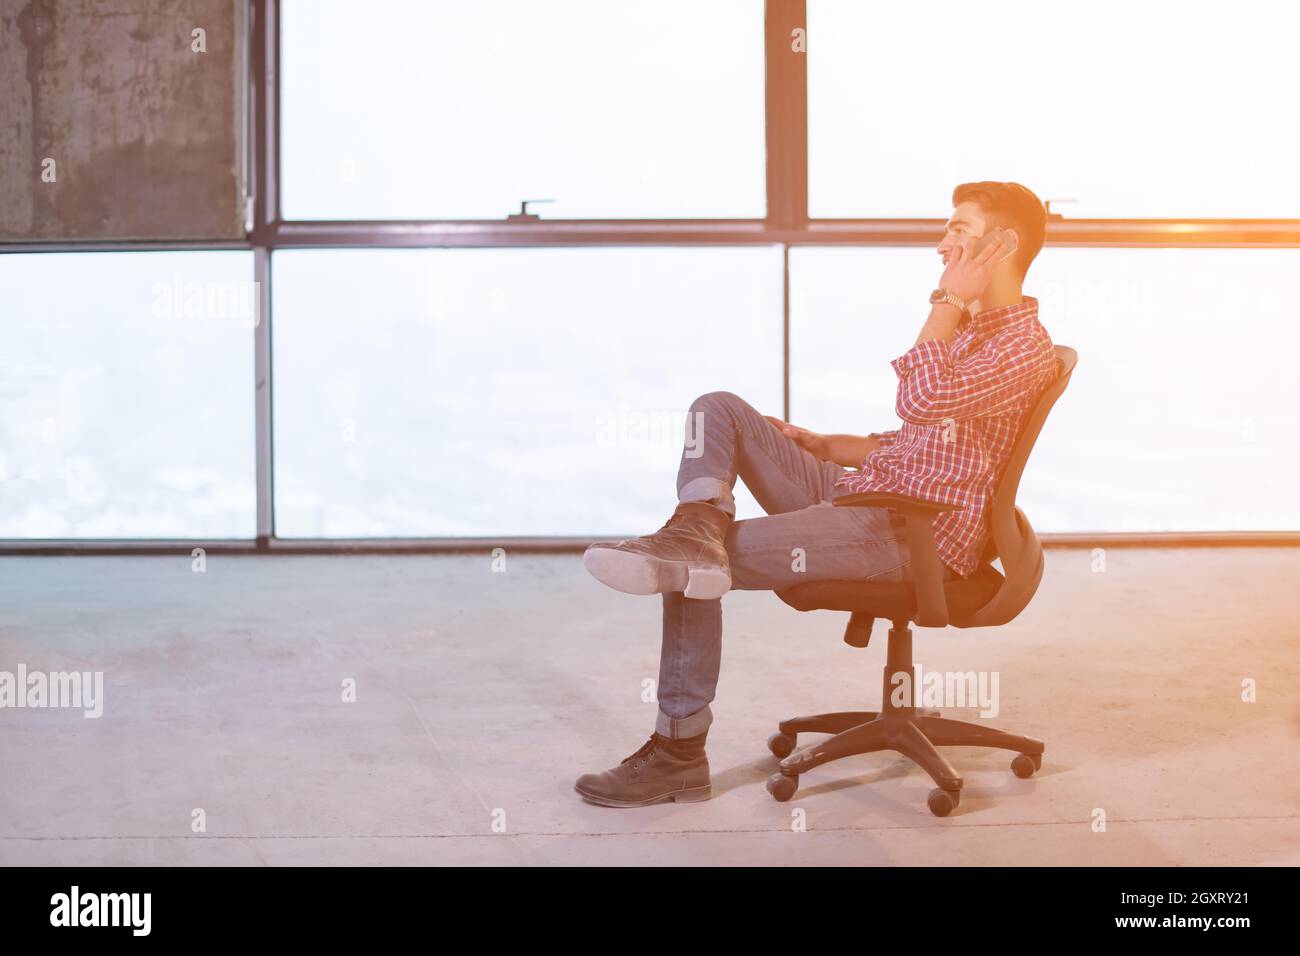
x,y
781,787
781,745
1024,765
943,802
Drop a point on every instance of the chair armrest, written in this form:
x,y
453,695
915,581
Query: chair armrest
x,y
927,569
886,499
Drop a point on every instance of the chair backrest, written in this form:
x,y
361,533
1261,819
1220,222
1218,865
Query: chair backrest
x,y
1012,538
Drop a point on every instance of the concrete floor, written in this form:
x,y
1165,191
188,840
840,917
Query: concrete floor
x,y
482,695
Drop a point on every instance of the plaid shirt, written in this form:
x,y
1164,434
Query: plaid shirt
x,y
961,406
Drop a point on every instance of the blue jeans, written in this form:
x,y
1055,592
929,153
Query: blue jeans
x,y
803,538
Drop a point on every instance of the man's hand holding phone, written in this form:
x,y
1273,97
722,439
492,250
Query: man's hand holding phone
x,y
971,265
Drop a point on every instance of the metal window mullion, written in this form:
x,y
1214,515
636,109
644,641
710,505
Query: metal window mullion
x,y
262,391
785,91
786,110
265,134
785,332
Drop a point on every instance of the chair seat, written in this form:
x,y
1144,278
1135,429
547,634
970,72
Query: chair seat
x,y
894,600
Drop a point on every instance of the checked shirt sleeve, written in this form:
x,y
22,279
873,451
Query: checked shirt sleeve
x,y
932,388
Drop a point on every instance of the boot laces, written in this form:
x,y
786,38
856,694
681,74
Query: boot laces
x,y
682,517
676,517
646,749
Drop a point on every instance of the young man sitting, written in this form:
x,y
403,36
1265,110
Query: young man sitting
x,y
979,363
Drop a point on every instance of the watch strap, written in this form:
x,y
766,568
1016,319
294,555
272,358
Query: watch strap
x,y
943,295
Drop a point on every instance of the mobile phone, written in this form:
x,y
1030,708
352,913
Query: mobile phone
x,y
983,241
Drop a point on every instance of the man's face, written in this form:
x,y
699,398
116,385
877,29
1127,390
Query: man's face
x,y
966,222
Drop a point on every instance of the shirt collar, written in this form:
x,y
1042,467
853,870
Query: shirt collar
x,y
989,321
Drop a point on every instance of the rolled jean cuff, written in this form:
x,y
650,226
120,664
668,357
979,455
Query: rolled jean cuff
x,y
709,489
680,727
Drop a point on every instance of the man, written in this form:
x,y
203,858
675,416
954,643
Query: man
x,y
979,363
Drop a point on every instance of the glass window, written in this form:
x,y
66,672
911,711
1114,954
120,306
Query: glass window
x,y
1161,109
468,392
1181,413
127,395
406,109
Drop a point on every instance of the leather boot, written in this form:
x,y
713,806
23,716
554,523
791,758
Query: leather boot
x,y
663,769
688,554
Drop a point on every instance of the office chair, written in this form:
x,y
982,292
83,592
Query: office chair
x,y
984,599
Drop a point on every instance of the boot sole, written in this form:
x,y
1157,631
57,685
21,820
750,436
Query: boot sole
x,y
643,574
690,795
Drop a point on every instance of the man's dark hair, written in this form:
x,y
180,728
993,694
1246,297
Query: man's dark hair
x,y
1010,206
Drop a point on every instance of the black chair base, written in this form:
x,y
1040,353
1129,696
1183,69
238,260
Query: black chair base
x,y
910,731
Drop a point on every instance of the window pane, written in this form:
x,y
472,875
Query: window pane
x,y
1181,413
407,109
128,395
1162,109
475,392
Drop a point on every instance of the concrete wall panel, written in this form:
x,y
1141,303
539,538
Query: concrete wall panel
x,y
145,132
